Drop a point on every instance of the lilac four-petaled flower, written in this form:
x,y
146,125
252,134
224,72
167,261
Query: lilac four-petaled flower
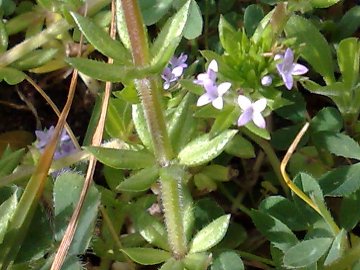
x,y
65,146
213,92
287,68
251,111
175,70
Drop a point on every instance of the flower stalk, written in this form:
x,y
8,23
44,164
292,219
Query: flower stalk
x,y
148,90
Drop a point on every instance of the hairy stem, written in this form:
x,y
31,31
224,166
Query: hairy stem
x,y
148,90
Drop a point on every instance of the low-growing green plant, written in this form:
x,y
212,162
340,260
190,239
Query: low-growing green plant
x,y
173,132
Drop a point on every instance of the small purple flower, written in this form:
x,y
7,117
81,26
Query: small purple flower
x,y
214,94
251,111
65,146
287,68
173,72
266,80
209,77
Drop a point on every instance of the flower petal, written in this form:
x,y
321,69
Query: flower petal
x,y
288,80
166,85
213,65
218,103
299,69
244,102
203,100
266,80
178,71
288,60
223,88
259,105
259,120
245,117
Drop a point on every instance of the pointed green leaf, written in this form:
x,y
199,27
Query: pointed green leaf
x,y
122,159
153,11
100,39
337,248
349,215
172,264
228,260
341,181
277,232
194,24
197,261
7,210
252,17
226,118
306,33
306,252
141,126
204,148
261,132
348,24
118,119
337,143
348,54
182,123
10,161
147,256
210,235
327,119
140,181
170,34
35,59
323,3
65,200
240,147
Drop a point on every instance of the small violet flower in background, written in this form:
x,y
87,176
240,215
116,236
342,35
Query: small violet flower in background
x,y
174,71
266,80
65,146
213,93
209,77
251,111
287,68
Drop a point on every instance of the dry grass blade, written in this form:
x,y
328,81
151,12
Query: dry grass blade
x,y
285,161
96,141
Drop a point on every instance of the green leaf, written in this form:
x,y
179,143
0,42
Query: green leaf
x,y
182,123
4,38
204,182
323,3
103,71
348,24
7,210
224,120
122,159
282,138
141,126
197,261
283,210
252,17
228,260
171,34
140,181
100,39
274,230
35,59
11,76
172,264
10,161
153,11
204,148
337,248
341,181
327,119
240,147
65,200
210,235
337,143
348,54
147,256
118,119
349,215
121,25
217,172
205,211
306,252
194,24
261,132
305,32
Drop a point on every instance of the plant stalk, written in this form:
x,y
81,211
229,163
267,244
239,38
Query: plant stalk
x,y
150,96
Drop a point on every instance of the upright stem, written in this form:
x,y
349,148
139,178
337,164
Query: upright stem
x,y
147,88
171,191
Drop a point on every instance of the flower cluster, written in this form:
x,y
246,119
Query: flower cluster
x,y
174,70
65,146
214,95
